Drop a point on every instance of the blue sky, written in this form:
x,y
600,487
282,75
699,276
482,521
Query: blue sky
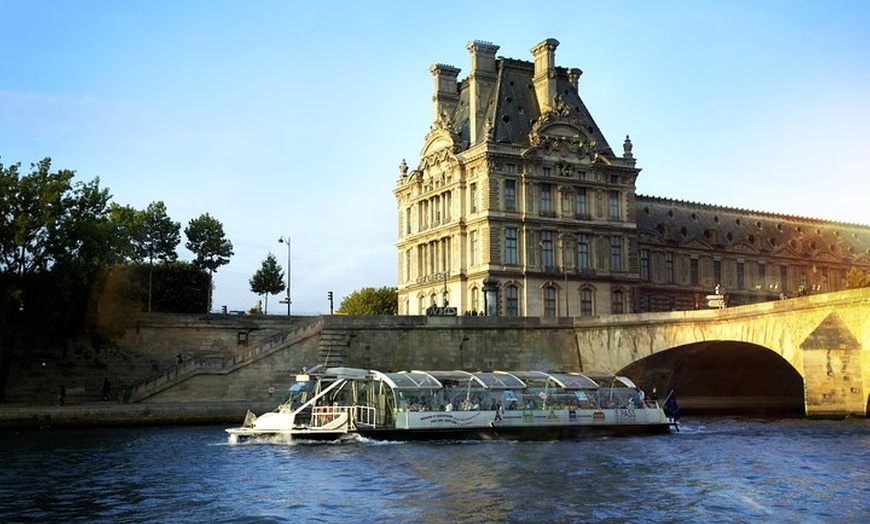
x,y
291,118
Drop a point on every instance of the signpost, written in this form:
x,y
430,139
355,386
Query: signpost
x,y
717,301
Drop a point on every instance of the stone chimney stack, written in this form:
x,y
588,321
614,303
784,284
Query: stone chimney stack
x,y
545,73
446,94
481,81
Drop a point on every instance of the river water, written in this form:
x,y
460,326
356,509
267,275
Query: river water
x,y
713,470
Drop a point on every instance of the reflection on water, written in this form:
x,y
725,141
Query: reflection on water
x,y
713,470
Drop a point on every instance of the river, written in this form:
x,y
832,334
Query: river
x,y
713,470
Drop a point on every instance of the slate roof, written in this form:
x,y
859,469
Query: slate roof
x,y
513,106
679,222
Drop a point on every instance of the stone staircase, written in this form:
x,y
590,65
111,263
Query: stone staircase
x,y
217,365
333,347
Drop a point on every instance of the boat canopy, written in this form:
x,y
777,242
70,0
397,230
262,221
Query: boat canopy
x,y
492,380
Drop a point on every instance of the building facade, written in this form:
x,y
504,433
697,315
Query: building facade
x,y
519,207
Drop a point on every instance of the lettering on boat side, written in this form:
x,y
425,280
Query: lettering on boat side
x,y
627,413
598,416
446,418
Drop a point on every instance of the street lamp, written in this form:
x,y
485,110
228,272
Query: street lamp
x,y
286,240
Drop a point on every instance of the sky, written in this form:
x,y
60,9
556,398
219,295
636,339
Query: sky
x,y
283,118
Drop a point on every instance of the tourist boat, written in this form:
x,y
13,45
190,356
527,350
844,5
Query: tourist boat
x,y
416,405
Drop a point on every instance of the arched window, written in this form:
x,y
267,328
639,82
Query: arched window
x,y
512,302
549,301
587,306
475,299
617,306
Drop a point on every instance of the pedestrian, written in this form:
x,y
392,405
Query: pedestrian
x,y
104,391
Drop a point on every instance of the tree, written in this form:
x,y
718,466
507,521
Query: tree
x,y
206,239
53,253
371,301
157,239
856,278
268,280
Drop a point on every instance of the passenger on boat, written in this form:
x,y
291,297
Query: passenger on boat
x,y
449,406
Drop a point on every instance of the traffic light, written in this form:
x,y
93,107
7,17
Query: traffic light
x,y
329,295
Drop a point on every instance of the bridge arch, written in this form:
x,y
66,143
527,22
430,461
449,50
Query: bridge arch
x,y
722,377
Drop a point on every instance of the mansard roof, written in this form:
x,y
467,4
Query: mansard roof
x,y
512,107
676,222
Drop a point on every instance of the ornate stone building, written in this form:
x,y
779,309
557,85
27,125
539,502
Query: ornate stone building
x,y
519,207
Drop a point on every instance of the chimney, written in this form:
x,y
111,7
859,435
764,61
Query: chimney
x,y
545,73
446,93
481,81
574,78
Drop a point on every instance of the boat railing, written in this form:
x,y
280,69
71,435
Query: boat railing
x,y
359,415
365,416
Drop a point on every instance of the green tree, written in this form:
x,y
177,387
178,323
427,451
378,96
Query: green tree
x,y
157,239
856,278
371,301
268,280
53,255
206,240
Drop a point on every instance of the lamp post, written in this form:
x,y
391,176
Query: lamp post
x,y
286,240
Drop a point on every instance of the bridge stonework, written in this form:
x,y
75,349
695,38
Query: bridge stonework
x,y
825,338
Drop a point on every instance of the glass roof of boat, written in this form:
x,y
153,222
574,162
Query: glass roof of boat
x,y
409,380
563,380
610,380
487,379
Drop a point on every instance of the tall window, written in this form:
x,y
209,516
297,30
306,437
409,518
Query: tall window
x,y
472,192
762,275
581,208
694,275
510,195
512,302
473,248
586,308
547,172
475,299
618,302
408,221
741,276
615,253
644,264
613,205
582,251
669,267
436,204
547,249
510,245
783,277
510,169
549,301
546,198
717,272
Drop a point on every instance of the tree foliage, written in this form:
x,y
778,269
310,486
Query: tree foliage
x,y
73,262
856,278
269,279
206,240
371,301
158,236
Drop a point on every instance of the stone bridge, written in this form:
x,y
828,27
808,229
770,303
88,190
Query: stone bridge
x,y
815,347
